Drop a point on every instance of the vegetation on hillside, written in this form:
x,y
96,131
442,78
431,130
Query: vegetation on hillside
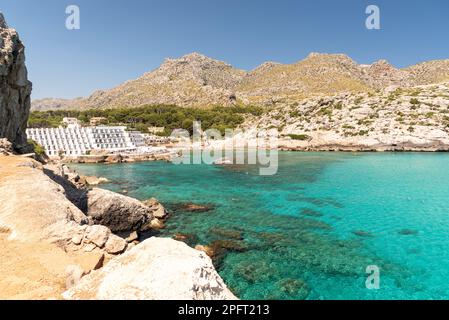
x,y
170,117
37,148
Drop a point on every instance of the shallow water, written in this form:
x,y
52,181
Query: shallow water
x,y
310,231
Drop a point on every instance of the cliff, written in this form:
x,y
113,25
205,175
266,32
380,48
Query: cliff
x,y
15,89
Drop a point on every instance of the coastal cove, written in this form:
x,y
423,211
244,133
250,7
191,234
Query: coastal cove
x,y
310,231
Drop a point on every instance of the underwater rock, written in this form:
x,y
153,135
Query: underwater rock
x,y
311,212
220,248
227,233
362,233
228,245
190,239
295,288
254,271
408,232
193,207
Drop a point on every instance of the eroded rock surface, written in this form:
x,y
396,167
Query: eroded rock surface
x,y
157,268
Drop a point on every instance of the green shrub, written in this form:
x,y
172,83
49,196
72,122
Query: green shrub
x,y
414,101
301,137
170,117
37,148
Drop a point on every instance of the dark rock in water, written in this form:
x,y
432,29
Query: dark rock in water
x,y
228,245
226,233
362,233
189,239
414,251
311,212
219,249
408,232
271,240
254,271
294,288
193,207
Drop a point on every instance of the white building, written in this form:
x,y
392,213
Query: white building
x,y
76,140
71,122
136,138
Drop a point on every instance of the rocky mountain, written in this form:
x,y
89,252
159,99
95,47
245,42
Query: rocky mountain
x,y
195,80
15,89
401,119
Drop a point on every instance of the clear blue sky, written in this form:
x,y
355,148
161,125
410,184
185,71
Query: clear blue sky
x,y
120,40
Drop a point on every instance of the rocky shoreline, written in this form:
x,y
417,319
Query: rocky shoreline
x,y
92,237
117,158
400,147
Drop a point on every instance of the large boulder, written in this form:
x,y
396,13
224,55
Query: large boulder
x,y
118,212
15,89
156,269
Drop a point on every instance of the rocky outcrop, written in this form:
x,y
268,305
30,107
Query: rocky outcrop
x,y
15,89
158,210
38,231
6,147
49,245
117,158
155,269
120,213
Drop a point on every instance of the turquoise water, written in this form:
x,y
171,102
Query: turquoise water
x,y
310,231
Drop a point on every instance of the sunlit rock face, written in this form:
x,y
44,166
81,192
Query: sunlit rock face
x,y
15,89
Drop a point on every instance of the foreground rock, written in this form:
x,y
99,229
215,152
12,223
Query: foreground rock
x,y
42,233
15,89
49,245
155,269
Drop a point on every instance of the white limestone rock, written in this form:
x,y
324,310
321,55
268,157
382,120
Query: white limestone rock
x,y
98,235
156,269
115,245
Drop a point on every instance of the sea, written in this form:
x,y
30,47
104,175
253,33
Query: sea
x,y
326,226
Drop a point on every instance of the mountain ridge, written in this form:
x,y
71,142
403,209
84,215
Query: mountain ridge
x,y
195,80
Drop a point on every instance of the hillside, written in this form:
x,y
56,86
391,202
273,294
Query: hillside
x,y
414,119
195,80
